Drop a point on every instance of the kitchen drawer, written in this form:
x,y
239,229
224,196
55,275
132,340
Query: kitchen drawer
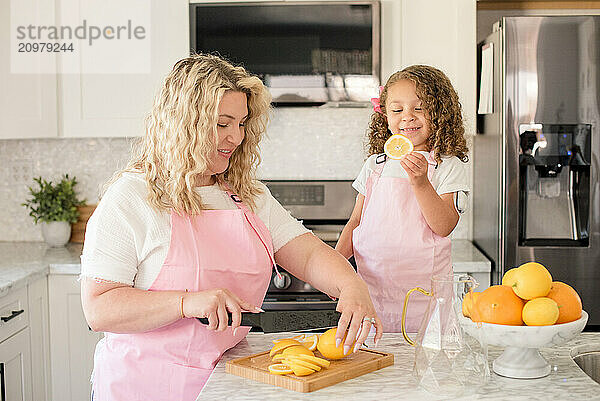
x,y
13,313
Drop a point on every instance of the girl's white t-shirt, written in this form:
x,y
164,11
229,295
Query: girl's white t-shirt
x,y
126,240
451,175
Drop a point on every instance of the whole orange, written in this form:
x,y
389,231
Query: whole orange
x,y
327,348
498,304
569,303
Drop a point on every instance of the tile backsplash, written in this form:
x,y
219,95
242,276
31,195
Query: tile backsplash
x,y
302,143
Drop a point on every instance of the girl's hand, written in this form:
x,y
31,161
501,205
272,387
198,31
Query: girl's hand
x,y
357,310
214,305
416,166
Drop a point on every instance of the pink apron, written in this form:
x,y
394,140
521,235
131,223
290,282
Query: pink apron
x,y
218,249
395,250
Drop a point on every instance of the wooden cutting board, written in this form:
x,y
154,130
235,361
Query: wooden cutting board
x,y
255,367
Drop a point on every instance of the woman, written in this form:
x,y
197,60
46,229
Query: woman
x,y
186,231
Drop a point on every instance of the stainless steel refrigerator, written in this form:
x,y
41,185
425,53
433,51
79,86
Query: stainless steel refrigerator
x,y
535,159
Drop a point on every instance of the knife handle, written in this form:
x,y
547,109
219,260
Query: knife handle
x,y
248,319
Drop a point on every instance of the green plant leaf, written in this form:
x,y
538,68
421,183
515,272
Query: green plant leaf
x,y
54,202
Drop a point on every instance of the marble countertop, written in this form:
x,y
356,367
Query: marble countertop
x,y
565,382
24,262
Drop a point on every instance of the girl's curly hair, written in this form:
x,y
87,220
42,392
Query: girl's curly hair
x,y
442,109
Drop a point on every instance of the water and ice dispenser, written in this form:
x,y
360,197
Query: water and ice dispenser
x,y
554,184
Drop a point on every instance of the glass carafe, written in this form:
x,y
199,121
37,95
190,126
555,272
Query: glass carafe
x,y
447,361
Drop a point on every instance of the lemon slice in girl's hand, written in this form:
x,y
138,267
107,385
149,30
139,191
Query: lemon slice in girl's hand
x,y
397,146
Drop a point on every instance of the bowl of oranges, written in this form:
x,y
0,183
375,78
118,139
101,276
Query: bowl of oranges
x,y
527,312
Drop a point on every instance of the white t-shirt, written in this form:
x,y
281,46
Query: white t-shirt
x,y
449,176
126,240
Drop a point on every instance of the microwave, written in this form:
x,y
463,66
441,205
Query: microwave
x,y
306,52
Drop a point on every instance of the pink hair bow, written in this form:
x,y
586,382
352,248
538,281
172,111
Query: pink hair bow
x,y
376,103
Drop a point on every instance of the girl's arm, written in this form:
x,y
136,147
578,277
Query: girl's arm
x,y
344,244
438,210
118,308
311,260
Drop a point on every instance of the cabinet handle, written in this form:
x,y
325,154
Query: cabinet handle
x,y
14,314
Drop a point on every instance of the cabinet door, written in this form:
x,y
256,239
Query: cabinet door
x,y
39,339
15,367
72,343
104,105
27,101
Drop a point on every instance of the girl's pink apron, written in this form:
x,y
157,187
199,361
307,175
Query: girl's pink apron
x,y
395,250
218,249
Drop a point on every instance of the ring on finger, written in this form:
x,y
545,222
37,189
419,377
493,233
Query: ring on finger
x,y
369,319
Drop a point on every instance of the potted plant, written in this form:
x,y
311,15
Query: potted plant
x,y
55,206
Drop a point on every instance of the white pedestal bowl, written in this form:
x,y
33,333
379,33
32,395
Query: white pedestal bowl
x,y
521,358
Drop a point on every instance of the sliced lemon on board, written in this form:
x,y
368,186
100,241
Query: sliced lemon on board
x,y
397,146
280,369
283,344
297,368
316,360
302,362
310,342
297,349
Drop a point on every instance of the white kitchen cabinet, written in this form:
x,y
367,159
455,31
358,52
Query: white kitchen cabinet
x,y
15,359
37,294
27,101
114,105
72,343
15,367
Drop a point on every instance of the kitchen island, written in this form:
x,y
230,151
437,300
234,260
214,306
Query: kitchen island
x,y
565,382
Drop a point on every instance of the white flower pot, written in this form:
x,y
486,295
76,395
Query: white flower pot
x,y
56,233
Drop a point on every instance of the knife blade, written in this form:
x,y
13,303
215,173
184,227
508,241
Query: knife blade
x,y
287,320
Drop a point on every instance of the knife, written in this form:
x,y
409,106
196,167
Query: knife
x,y
287,320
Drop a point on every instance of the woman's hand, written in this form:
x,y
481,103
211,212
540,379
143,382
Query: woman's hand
x,y
357,310
415,165
214,305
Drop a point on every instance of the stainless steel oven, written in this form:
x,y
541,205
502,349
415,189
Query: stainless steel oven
x,y
324,207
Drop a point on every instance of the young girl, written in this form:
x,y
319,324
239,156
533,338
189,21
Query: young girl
x,y
405,209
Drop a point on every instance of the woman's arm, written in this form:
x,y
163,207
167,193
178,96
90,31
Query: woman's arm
x,y
438,210
344,244
118,308
311,260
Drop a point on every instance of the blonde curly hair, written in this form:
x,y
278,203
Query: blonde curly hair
x,y
181,134
442,109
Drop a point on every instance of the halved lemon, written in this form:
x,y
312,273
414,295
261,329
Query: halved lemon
x,y
283,344
310,342
299,337
397,146
280,369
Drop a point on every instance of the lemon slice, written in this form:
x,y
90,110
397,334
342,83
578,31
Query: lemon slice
x,y
316,360
283,344
302,362
280,369
296,349
297,368
310,342
397,146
